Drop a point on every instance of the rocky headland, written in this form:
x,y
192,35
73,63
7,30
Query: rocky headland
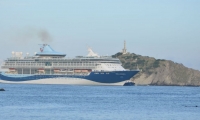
x,y
159,71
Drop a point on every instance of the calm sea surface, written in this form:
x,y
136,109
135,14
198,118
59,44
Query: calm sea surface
x,y
63,102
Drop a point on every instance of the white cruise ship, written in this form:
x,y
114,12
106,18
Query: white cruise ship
x,y
51,67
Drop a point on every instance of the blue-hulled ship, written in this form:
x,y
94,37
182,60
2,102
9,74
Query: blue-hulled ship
x,y
51,67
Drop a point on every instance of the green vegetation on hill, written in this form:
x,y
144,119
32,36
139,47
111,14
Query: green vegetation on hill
x,y
144,63
158,71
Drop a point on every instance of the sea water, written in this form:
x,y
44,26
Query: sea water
x,y
64,102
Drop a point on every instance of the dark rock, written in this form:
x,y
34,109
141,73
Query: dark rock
x,y
191,106
1,89
129,84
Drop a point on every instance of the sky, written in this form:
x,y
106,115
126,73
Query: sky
x,y
164,29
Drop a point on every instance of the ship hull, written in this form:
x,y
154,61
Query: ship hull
x,y
65,81
94,78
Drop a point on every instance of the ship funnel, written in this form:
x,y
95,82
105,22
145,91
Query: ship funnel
x,y
46,50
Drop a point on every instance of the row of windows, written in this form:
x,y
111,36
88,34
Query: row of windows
x,y
50,65
101,73
55,62
63,61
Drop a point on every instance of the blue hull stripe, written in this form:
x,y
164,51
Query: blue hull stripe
x,y
101,77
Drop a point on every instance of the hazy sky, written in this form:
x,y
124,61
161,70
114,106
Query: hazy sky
x,y
164,29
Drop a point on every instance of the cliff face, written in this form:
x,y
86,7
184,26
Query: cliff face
x,y
159,72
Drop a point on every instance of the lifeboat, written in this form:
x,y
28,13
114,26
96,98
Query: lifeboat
x,y
56,70
77,71
84,71
12,69
41,70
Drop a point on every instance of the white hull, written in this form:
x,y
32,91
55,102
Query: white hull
x,y
69,81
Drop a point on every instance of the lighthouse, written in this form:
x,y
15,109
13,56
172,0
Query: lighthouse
x,y
124,49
